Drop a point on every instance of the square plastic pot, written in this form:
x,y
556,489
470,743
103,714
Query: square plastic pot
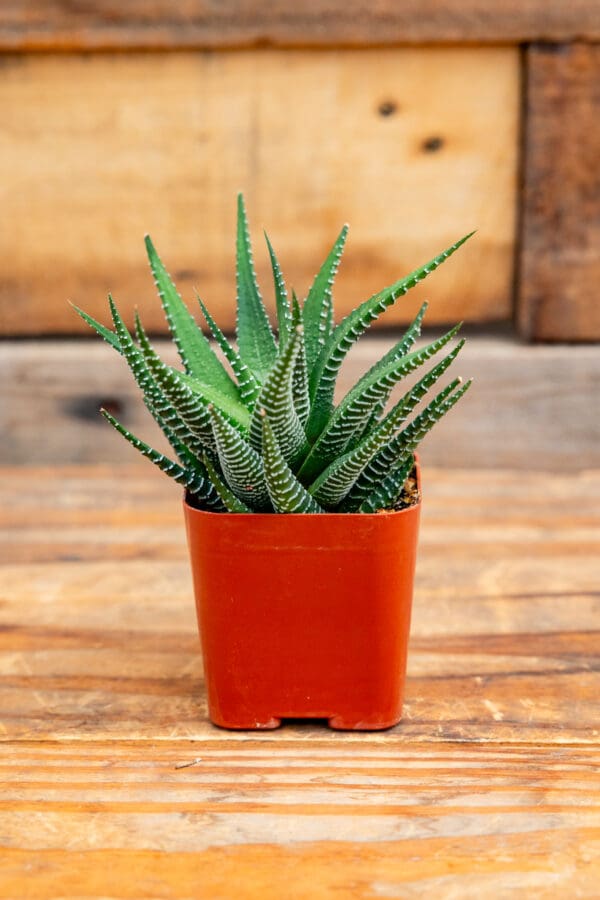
x,y
304,616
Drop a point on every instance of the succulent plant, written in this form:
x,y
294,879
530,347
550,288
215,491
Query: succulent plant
x,y
256,429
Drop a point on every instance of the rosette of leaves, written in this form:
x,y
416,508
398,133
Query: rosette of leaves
x,y
255,429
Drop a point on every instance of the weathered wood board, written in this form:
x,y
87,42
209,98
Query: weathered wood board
x,y
529,406
99,638
114,785
560,251
414,147
59,24
299,819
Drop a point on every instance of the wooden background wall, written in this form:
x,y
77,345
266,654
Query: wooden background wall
x,y
414,148
415,127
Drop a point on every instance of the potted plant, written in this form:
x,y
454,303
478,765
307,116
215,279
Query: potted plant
x,y
302,516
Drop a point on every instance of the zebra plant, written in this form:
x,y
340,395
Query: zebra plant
x,y
258,430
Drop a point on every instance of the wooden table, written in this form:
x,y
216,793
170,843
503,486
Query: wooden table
x,y
115,785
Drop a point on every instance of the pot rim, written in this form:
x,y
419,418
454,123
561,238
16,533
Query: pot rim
x,y
385,513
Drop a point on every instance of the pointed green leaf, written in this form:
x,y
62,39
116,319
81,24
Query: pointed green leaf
x,y
197,356
317,312
242,466
357,406
109,336
159,406
286,493
189,406
414,396
338,479
199,394
300,390
323,377
404,442
284,316
247,383
276,397
256,343
228,498
386,495
195,481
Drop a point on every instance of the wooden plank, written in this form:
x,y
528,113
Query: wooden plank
x,y
298,820
103,148
528,408
114,785
160,24
99,637
560,253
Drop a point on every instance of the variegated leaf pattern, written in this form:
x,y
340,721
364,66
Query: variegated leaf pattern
x,y
190,407
337,480
284,315
228,498
256,344
386,495
253,427
195,481
197,356
248,385
317,312
404,442
160,407
357,406
276,398
324,374
300,390
242,466
286,493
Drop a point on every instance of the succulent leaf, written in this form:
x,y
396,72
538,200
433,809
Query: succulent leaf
x,y
159,406
188,389
286,493
399,349
276,397
386,495
256,343
300,380
228,498
345,335
284,316
109,336
190,407
197,356
242,466
271,440
317,312
357,406
404,442
336,482
247,383
194,480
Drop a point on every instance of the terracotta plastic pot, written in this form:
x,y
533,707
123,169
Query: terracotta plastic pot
x,y
304,616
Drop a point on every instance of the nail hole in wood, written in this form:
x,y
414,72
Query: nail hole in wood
x,y
387,108
432,144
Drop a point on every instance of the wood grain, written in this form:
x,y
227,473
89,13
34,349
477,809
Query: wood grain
x,y
103,148
114,785
560,252
530,406
60,24
298,820
99,638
